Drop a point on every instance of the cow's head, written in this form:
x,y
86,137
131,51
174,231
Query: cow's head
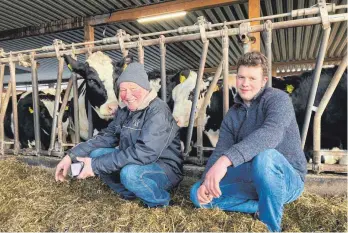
x,y
183,95
101,74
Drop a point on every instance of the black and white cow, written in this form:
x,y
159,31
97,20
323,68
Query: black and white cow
x,y
99,74
183,94
26,119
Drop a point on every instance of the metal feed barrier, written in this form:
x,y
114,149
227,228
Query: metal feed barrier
x,y
203,31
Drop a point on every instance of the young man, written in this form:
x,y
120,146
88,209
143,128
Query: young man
x,y
258,164
138,154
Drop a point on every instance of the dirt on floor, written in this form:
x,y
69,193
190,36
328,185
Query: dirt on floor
x,y
30,200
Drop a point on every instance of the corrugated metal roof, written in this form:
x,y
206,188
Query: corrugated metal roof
x,y
292,44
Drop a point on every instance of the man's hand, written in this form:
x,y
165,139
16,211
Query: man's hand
x,y
203,196
87,168
215,175
62,168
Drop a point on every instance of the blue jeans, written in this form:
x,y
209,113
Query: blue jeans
x,y
264,184
147,182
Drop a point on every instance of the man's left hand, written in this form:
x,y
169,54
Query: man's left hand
x,y
87,170
215,175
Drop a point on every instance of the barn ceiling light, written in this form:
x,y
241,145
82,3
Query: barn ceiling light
x,y
161,17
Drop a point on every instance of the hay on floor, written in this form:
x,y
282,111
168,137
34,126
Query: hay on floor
x,y
30,200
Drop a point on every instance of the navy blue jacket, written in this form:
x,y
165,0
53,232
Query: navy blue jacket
x,y
147,135
268,123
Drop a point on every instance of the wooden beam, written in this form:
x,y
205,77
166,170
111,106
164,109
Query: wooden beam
x,y
254,12
158,9
285,64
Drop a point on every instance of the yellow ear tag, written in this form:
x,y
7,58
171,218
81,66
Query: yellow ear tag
x,y
31,110
125,66
182,78
216,88
289,88
70,67
66,108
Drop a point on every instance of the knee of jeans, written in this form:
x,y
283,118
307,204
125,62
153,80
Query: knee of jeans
x,y
264,162
193,194
129,174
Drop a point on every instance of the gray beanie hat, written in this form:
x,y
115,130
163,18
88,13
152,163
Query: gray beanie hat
x,y
135,73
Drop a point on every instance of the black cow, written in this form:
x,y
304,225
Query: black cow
x,y
334,119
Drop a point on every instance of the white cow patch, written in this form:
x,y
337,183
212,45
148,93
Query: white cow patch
x,y
155,84
213,136
103,65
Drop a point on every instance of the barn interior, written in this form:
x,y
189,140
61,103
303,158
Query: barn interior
x,y
29,25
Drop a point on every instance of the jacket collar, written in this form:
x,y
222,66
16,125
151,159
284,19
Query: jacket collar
x,y
147,100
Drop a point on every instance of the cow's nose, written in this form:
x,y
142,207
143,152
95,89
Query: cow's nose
x,y
112,107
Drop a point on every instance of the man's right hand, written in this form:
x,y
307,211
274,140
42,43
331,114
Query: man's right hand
x,y
62,168
204,197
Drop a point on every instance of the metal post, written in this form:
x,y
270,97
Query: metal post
x,y
225,48
140,51
3,107
35,97
76,108
56,103
163,69
14,105
323,103
195,100
61,113
315,83
90,119
2,72
268,28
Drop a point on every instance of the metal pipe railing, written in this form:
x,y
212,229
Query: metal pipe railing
x,y
56,103
14,105
196,36
163,69
76,108
226,97
3,108
315,83
322,106
268,28
35,95
196,95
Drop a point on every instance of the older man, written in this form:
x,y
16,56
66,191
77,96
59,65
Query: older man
x,y
138,154
258,164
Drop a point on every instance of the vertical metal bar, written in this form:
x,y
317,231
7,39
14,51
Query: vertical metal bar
x,y
2,72
35,97
61,113
3,108
14,105
56,103
90,119
163,69
195,100
268,28
323,103
315,83
140,51
76,108
225,48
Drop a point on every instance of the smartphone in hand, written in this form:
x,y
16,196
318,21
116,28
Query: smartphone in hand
x,y
75,169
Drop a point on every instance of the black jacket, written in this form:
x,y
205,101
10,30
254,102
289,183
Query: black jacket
x,y
147,135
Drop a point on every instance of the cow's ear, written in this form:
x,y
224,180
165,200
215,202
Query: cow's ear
x,y
75,66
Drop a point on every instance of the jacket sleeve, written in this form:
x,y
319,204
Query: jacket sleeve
x,y
226,139
278,115
105,138
156,134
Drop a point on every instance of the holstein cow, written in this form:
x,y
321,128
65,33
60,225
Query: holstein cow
x,y
183,95
334,119
26,120
99,75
